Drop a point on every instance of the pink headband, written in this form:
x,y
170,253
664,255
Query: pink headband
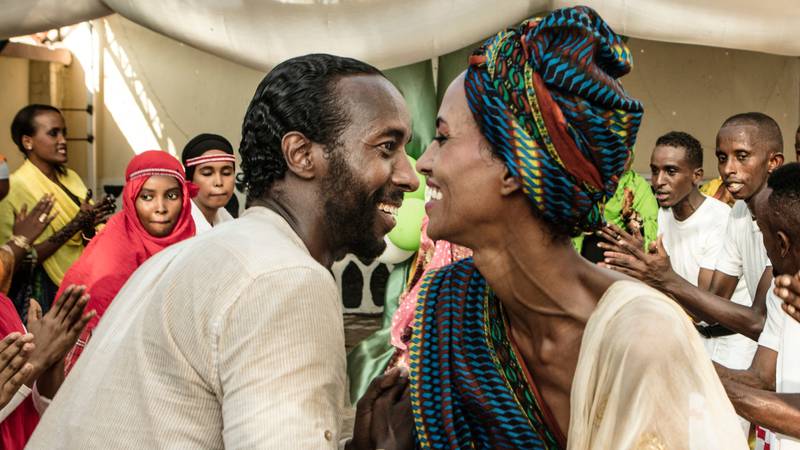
x,y
210,158
157,171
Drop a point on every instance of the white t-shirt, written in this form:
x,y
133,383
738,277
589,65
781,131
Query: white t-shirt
x,y
201,225
743,253
696,243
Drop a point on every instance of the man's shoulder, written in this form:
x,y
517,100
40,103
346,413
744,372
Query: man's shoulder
x,y
740,211
256,242
716,207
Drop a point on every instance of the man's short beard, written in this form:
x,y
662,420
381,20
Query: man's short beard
x,y
350,211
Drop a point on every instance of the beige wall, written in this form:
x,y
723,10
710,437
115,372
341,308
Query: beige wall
x,y
694,89
13,96
157,93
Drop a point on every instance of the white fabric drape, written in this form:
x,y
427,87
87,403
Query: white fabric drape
x,y
644,382
390,33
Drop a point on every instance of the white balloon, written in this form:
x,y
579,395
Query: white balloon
x,y
393,254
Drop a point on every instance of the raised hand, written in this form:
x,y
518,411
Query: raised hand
x,y
787,288
15,349
94,214
31,224
104,210
56,332
624,254
612,234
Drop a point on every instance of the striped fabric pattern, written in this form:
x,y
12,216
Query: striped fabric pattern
x,y
468,389
546,95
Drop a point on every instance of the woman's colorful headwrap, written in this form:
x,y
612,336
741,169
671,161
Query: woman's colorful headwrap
x,y
546,96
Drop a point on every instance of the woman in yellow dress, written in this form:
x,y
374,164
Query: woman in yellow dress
x,y
40,134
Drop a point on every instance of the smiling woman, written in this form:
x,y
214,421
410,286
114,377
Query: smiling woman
x,y
40,134
156,213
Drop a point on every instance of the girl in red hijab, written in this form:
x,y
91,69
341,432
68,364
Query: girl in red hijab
x,y
156,213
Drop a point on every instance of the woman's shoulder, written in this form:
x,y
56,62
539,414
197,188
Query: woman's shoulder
x,y
634,301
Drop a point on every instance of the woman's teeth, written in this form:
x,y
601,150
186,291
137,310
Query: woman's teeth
x,y
433,193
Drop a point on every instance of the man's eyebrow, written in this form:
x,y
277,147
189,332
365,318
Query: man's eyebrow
x,y
396,133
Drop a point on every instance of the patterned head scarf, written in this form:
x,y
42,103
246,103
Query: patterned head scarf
x,y
547,97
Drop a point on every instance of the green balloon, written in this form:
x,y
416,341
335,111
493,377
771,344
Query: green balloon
x,y
406,234
420,192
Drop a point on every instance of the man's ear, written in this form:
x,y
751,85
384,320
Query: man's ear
x,y
775,161
509,183
784,244
697,176
297,151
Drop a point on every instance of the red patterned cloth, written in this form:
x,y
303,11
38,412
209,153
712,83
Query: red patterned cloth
x,y
19,425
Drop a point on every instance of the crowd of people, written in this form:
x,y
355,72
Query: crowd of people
x,y
559,300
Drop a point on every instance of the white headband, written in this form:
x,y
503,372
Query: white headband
x,y
191,162
157,171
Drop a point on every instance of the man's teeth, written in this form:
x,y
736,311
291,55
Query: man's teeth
x,y
433,193
388,209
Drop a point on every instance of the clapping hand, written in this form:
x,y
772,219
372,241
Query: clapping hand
x,y
624,253
30,225
95,214
15,349
56,332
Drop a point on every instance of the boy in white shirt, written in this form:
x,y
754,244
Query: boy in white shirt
x,y
692,227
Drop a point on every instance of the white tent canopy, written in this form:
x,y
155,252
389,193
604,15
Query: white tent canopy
x,y
390,33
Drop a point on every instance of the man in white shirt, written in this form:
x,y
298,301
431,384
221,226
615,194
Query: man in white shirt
x,y
749,148
692,227
771,397
234,339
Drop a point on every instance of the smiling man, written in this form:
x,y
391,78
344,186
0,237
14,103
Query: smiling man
x,y
235,339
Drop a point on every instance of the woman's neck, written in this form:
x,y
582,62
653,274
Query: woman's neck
x,y
46,168
537,277
209,213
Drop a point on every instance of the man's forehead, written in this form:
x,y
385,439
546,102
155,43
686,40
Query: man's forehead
x,y
372,102
668,154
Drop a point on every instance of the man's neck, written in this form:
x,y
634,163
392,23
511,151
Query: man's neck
x,y
750,201
306,222
688,205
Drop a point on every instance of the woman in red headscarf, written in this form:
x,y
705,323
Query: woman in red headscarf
x,y
156,213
